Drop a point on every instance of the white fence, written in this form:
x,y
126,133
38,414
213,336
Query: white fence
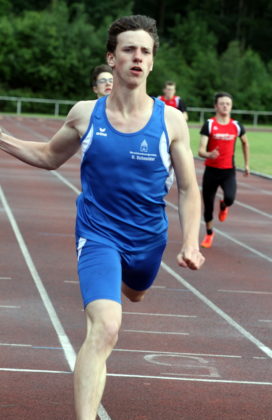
x,y
19,103
57,102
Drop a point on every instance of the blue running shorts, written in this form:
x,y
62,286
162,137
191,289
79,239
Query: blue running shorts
x,y
102,268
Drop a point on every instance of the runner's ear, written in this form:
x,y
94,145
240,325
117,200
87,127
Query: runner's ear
x,y
111,59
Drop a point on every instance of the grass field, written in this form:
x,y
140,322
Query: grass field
x,y
260,144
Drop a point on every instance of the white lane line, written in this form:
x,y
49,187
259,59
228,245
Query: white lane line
x,y
164,315
15,345
251,292
156,332
5,278
229,356
10,307
230,238
242,244
265,320
261,346
170,378
33,370
248,207
63,338
66,182
71,281
254,188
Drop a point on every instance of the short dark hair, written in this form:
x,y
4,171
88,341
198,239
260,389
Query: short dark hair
x,y
169,83
97,70
221,95
132,23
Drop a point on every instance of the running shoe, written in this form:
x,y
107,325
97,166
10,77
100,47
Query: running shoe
x,y
207,241
223,214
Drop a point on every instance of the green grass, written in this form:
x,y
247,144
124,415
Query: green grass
x,y
260,144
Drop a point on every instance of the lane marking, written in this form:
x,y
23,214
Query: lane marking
x,y
34,370
166,315
10,307
248,207
63,339
265,320
230,238
68,349
71,281
66,182
193,364
15,345
156,332
170,378
177,353
261,346
251,187
260,358
5,278
244,291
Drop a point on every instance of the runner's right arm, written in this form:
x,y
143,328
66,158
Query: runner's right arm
x,y
202,151
55,152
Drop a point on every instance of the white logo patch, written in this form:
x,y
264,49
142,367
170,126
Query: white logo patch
x,y
101,132
144,146
143,154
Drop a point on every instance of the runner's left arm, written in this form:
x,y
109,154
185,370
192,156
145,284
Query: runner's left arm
x,y
245,148
189,202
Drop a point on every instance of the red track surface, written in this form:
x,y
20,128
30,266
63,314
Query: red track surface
x,y
198,347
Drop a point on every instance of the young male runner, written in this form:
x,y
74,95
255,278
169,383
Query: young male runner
x,y
217,145
129,143
102,80
169,98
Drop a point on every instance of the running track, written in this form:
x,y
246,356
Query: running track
x,y
198,347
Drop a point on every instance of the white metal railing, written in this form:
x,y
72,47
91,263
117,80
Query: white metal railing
x,y
19,101
57,102
255,114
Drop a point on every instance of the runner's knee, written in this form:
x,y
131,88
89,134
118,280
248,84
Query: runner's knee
x,y
103,325
228,200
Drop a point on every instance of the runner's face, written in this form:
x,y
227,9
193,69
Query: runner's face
x,y
133,57
169,92
223,106
103,85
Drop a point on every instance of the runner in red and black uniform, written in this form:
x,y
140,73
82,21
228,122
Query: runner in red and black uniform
x,y
169,98
217,145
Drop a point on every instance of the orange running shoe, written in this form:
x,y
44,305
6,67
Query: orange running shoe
x,y
207,241
223,214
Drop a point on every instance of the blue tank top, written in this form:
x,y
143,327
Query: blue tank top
x,y
124,177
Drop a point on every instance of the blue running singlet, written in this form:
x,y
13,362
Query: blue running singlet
x,y
124,177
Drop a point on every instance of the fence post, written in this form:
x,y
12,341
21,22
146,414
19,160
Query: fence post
x,y
19,107
255,119
56,109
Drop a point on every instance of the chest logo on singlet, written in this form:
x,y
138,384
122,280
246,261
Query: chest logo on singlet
x,y
143,153
101,132
224,136
144,146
